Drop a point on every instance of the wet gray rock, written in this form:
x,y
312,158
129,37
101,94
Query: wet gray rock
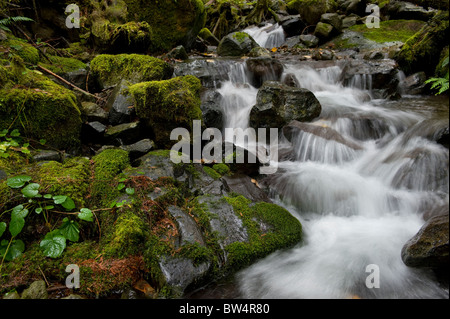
x,y
139,148
278,104
323,31
120,105
332,19
263,69
397,10
236,44
414,84
93,112
46,155
123,134
292,25
187,227
309,40
212,113
180,272
93,132
242,184
429,248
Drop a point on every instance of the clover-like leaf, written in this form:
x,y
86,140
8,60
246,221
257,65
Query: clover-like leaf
x,y
70,230
59,199
53,244
31,190
85,214
18,181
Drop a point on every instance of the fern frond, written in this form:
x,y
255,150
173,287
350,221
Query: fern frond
x,y
4,23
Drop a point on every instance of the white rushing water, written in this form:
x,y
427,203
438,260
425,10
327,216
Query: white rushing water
x,y
358,207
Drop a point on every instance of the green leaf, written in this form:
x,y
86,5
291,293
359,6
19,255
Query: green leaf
x,y
120,186
48,207
19,211
59,199
2,228
68,204
18,181
85,214
48,196
15,133
38,210
15,249
16,225
53,244
17,220
129,191
31,190
69,229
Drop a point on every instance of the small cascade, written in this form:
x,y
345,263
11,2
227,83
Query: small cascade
x,y
270,36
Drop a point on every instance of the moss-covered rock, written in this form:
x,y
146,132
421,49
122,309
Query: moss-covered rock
x,y
72,178
39,108
107,165
236,44
109,69
131,37
422,51
312,10
20,47
61,65
173,22
168,104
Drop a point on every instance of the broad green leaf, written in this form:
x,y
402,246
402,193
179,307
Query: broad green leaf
x,y
16,225
49,207
53,244
38,210
15,249
18,181
129,191
121,186
15,133
48,196
70,230
31,190
2,228
68,204
59,199
85,214
19,211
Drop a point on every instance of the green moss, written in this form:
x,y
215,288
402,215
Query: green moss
x,y
173,22
22,48
71,178
61,65
135,35
40,108
111,69
168,104
240,36
284,230
211,172
389,31
221,168
129,231
107,165
422,51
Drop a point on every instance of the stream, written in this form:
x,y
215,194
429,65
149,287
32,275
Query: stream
x,y
358,207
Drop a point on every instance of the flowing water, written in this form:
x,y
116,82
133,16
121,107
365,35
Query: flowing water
x,y
358,206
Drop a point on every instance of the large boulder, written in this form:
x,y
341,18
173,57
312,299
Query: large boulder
x,y
429,247
108,70
39,108
236,44
278,104
172,22
422,51
169,104
311,10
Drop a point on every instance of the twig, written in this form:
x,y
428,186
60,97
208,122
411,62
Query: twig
x,y
67,82
43,276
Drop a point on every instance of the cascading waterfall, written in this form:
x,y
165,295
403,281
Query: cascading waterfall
x,y
270,36
358,205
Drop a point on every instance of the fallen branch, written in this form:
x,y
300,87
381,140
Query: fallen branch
x,y
67,82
